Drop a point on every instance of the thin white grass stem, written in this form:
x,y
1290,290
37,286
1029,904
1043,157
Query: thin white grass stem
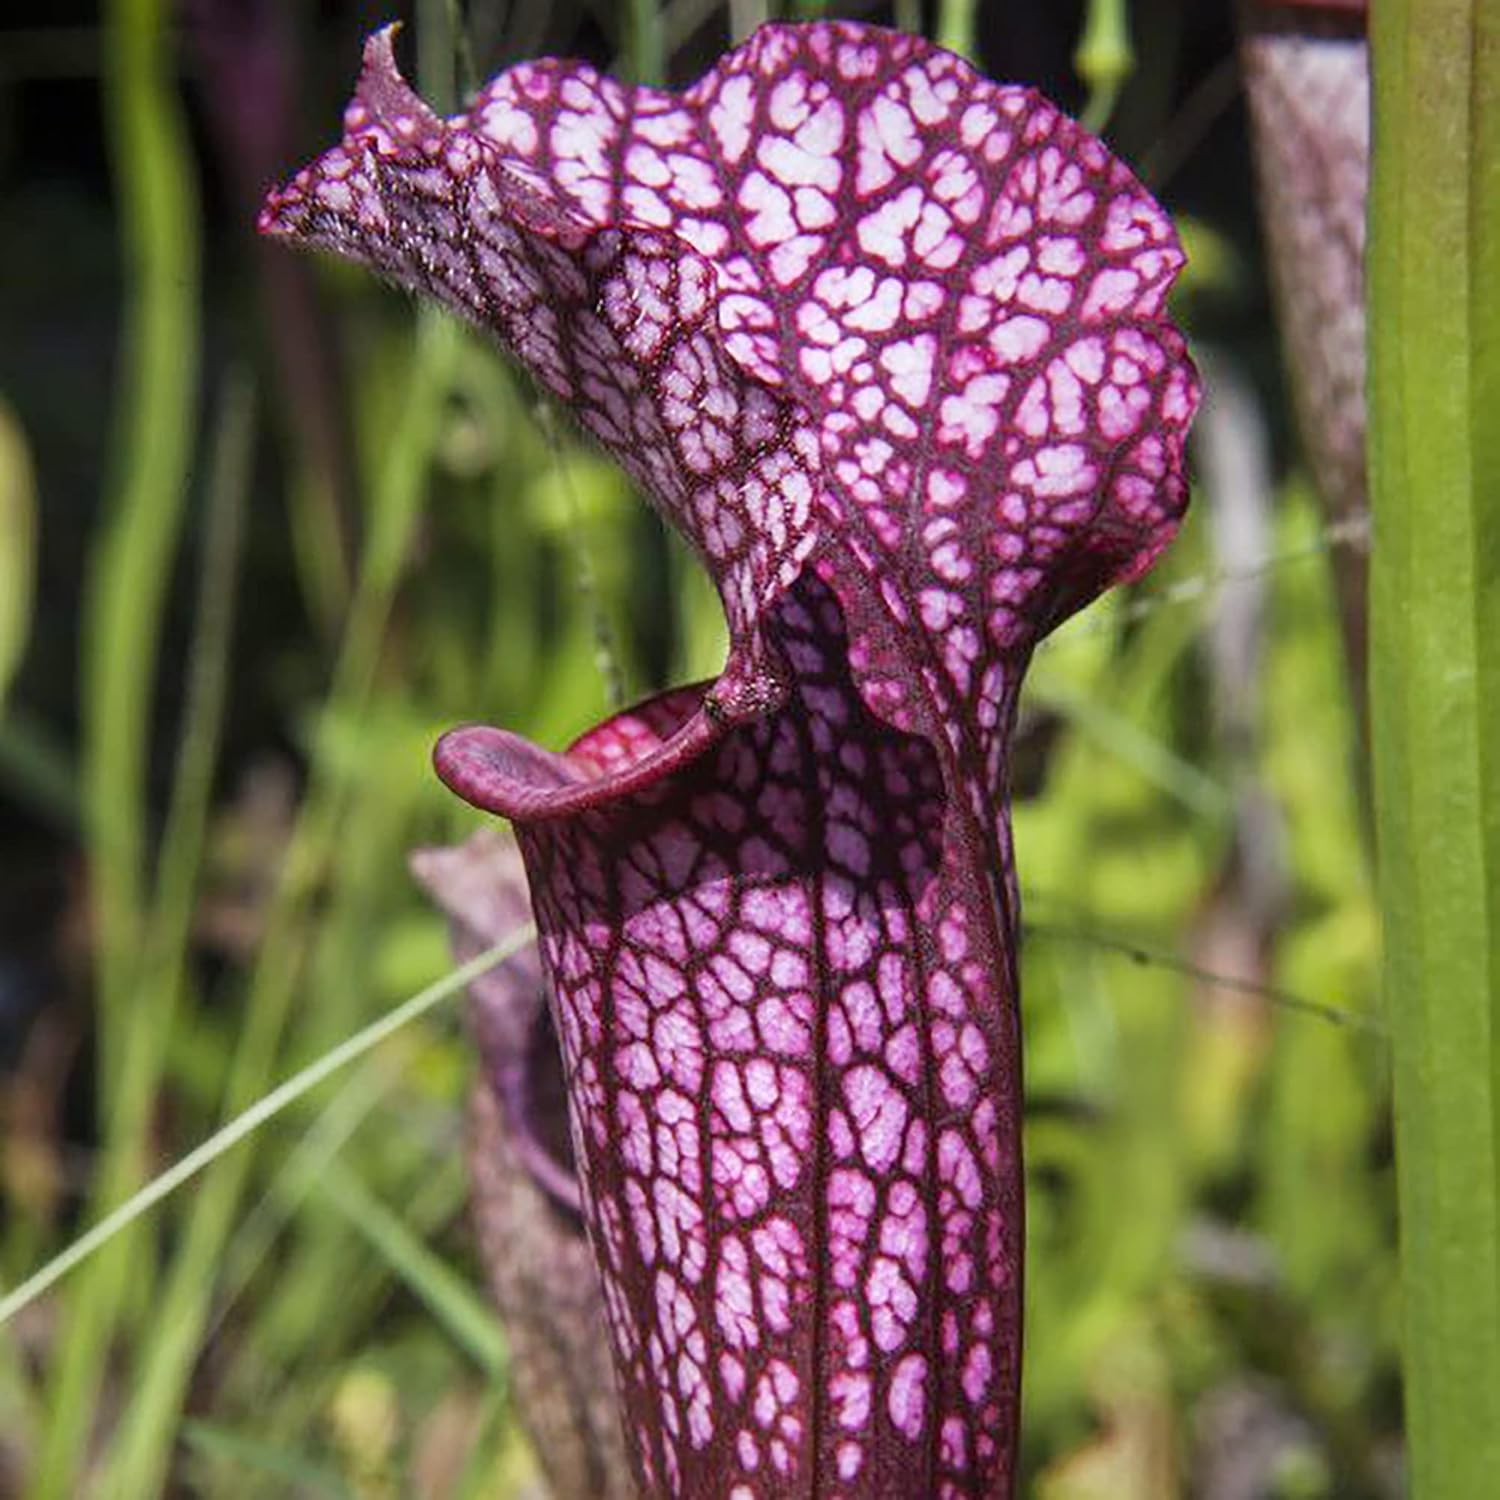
x,y
249,1120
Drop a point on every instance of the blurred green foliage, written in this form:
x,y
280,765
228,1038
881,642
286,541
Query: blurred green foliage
x,y
1211,1273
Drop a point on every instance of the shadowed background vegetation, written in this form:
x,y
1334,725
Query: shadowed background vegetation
x,y
266,529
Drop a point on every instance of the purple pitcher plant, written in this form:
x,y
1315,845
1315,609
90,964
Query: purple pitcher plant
x,y
887,343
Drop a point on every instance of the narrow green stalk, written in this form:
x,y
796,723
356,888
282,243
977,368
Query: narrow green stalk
x,y
161,968
159,207
439,25
165,1362
317,543
645,42
17,545
451,1300
1105,59
131,572
955,25
207,686
1434,288
465,66
585,575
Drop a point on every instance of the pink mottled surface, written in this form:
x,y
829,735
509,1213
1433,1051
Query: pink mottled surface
x,y
887,342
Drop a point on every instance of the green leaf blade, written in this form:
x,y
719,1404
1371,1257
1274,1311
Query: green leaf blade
x,y
1435,684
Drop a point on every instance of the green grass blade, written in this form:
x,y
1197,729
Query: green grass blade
x,y
132,565
645,41
206,690
165,1359
470,1323
17,545
154,449
956,21
158,972
1105,59
1435,683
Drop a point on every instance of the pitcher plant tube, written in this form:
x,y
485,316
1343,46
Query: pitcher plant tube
x,y
887,342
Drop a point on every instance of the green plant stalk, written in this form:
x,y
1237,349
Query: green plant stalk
x,y
468,1320
585,575
17,545
153,451
307,1327
138,1466
131,572
1434,288
513,649
955,25
161,974
318,548
258,1371
646,42
1104,60
161,970
206,690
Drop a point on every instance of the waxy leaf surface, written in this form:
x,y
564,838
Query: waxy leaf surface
x,y
886,342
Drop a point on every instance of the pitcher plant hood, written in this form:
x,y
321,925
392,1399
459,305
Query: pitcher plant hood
x,y
887,342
